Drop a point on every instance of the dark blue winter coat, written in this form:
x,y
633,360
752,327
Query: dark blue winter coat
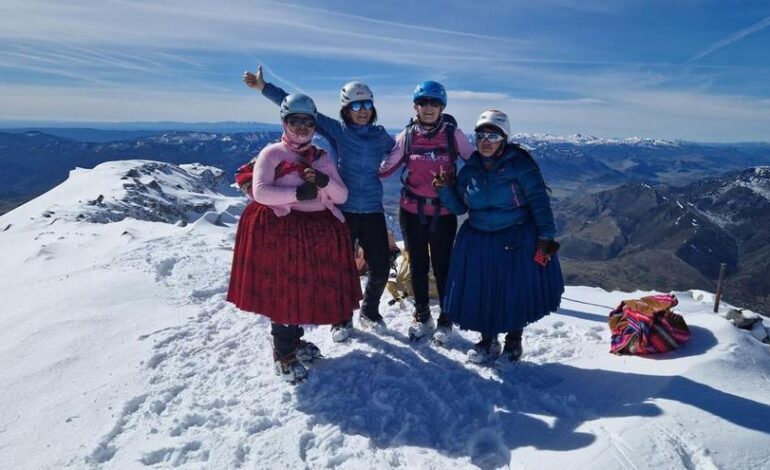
x,y
511,192
360,150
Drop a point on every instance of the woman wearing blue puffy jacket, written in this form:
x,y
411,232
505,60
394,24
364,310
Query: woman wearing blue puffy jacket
x,y
361,146
504,272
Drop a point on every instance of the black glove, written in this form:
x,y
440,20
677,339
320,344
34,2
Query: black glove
x,y
306,192
543,251
548,247
315,176
321,180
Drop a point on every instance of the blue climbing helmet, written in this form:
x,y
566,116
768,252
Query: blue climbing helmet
x,y
430,89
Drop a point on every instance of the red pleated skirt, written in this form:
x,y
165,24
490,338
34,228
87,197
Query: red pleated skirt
x,y
296,270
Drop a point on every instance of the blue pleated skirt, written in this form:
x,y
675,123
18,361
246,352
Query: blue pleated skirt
x,y
495,285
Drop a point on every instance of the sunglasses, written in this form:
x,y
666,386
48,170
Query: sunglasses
x,y
493,137
428,102
357,106
308,123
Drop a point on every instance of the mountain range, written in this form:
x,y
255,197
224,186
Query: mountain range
x,y
631,213
635,236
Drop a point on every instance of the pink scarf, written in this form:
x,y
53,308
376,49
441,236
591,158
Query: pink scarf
x,y
296,141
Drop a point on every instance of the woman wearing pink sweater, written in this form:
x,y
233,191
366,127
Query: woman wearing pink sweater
x,y
292,260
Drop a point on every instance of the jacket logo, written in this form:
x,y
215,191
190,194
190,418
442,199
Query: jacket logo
x,y
472,188
431,156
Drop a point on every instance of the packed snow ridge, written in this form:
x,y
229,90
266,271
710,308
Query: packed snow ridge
x,y
150,191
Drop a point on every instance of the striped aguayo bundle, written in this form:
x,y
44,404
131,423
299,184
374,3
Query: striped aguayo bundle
x,y
647,326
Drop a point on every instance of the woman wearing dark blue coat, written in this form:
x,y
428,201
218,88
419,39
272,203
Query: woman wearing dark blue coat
x,y
504,273
361,146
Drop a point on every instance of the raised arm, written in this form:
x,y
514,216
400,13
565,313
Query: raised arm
x,y
328,127
257,82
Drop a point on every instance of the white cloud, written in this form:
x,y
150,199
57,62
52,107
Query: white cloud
x,y
129,60
250,25
475,95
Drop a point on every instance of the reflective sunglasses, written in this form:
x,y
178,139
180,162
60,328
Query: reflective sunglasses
x,y
493,137
301,122
357,106
428,102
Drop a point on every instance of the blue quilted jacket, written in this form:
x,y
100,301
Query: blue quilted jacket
x,y
511,192
360,150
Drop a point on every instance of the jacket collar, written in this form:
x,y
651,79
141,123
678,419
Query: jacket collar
x,y
367,130
509,153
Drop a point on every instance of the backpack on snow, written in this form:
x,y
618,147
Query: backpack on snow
x,y
647,326
400,281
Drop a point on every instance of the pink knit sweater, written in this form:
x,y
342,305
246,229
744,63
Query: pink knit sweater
x,y
280,193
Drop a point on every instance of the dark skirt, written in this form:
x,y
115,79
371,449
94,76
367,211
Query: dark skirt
x,y
494,284
296,270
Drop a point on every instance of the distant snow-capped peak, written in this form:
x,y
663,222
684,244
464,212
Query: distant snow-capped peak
x,y
581,139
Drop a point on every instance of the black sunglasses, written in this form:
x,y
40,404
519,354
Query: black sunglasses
x,y
357,106
301,122
428,102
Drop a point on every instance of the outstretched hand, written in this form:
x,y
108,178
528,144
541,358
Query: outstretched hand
x,y
254,80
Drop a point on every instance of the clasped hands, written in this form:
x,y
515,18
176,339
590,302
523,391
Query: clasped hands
x,y
314,179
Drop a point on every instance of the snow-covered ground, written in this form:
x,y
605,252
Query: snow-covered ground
x,y
118,350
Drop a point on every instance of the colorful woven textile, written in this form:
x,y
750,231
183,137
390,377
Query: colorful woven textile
x,y
647,326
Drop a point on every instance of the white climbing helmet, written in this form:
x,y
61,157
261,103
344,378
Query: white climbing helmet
x,y
494,118
298,104
355,91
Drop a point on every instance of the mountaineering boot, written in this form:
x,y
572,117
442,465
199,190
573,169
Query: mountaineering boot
x,y
443,330
422,324
342,331
485,351
307,352
289,368
512,350
372,322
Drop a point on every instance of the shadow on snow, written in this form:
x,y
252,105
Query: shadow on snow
x,y
402,395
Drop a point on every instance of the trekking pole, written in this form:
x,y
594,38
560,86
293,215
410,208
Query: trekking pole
x,y
720,286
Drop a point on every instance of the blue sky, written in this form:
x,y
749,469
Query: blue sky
x,y
690,69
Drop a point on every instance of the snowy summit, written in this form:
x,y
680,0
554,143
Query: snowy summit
x,y
118,350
